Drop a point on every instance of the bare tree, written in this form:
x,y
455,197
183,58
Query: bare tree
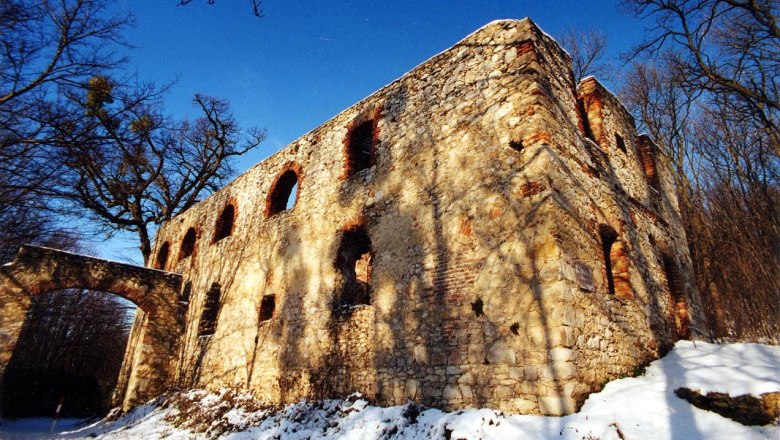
x,y
256,5
47,48
727,178
709,96
72,344
588,53
740,189
69,133
726,47
131,168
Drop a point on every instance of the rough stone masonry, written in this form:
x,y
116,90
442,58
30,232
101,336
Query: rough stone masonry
x,y
482,232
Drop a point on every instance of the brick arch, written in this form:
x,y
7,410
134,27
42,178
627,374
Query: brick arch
x,y
150,357
226,222
616,263
290,175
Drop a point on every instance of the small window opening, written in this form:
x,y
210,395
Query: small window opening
x,y
280,197
224,227
615,264
354,261
478,307
267,306
162,256
184,301
647,159
184,297
608,237
621,144
582,115
517,146
678,304
188,244
360,148
208,319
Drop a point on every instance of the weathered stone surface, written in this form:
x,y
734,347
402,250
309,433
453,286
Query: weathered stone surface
x,y
485,182
480,231
557,405
501,353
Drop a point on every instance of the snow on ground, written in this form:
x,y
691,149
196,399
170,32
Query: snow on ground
x,y
35,428
644,407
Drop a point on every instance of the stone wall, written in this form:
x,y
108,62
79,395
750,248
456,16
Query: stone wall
x,y
449,244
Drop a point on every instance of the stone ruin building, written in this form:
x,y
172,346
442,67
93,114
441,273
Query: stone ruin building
x,y
481,232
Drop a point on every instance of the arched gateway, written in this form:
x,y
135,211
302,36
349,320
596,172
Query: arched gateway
x,y
150,359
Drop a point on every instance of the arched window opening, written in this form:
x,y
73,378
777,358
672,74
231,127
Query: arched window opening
x,y
354,262
208,319
162,256
678,304
621,144
188,244
224,226
615,264
360,148
267,307
281,197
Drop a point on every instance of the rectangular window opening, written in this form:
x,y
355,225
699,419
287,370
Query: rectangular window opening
x,y
267,307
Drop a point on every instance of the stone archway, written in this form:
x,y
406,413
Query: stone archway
x,y
150,359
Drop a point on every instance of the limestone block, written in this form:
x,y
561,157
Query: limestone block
x,y
516,373
421,354
503,392
412,386
564,370
451,393
466,379
521,406
563,336
561,354
557,405
466,392
501,353
530,372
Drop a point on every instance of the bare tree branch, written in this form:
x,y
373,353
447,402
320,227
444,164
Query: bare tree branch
x,y
588,53
257,8
133,168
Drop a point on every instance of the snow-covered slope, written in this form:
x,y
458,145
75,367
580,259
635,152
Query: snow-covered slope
x,y
644,407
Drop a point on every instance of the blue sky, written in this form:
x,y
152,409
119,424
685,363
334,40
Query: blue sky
x,y
307,60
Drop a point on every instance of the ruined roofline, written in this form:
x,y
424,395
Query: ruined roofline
x,y
527,21
600,89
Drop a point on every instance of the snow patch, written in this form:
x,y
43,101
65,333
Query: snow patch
x,y
631,408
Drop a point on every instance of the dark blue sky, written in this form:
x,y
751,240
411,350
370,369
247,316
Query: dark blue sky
x,y
307,60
